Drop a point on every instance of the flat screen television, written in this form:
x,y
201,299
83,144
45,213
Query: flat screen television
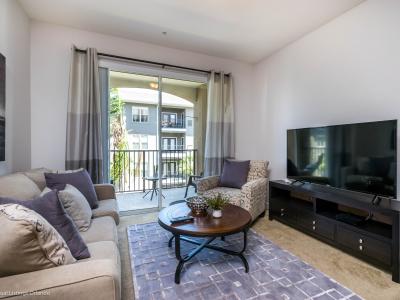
x,y
359,157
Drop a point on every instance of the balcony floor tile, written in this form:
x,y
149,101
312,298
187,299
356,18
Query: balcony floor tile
x,y
129,201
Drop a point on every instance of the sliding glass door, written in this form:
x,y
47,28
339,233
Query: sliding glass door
x,y
133,140
155,136
182,113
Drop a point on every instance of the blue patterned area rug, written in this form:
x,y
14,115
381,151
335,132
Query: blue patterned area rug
x,y
274,272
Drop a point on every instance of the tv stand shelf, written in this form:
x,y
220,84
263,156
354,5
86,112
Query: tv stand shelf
x,y
344,219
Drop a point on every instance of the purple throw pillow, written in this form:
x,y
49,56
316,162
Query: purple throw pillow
x,y
50,208
80,179
234,173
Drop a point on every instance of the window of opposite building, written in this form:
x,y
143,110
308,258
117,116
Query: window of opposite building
x,y
140,114
140,142
169,143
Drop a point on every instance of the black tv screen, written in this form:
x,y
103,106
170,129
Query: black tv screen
x,y
359,157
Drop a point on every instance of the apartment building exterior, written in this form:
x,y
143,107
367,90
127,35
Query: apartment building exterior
x,y
177,126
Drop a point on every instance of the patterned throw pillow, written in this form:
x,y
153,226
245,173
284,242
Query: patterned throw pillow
x,y
51,208
28,242
76,206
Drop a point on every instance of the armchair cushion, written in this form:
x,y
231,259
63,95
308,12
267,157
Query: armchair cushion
x,y
207,183
234,173
232,194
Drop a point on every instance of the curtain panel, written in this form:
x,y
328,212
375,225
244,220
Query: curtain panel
x,y
220,135
84,147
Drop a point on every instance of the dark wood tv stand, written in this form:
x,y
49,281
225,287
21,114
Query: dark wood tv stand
x,y
318,211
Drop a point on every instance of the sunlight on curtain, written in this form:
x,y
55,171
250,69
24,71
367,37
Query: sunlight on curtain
x,y
220,136
84,138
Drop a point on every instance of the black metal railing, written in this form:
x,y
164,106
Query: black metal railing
x,y
174,147
132,170
179,123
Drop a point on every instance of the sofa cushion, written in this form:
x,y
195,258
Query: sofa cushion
x,y
103,250
76,206
79,179
18,186
89,279
106,250
101,229
28,242
107,208
233,195
234,173
50,207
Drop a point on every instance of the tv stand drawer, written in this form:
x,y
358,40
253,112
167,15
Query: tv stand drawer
x,y
319,226
325,228
281,208
364,245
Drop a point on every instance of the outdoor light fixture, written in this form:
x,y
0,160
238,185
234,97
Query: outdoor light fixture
x,y
154,85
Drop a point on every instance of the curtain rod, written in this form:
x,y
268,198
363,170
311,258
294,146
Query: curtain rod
x,y
147,62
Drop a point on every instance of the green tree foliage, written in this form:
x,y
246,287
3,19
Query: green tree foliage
x,y
186,164
119,160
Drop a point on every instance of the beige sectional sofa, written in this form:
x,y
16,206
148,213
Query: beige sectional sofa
x,y
98,277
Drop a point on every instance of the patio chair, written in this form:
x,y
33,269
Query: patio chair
x,y
192,182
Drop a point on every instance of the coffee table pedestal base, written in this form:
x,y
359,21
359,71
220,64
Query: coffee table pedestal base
x,y
201,245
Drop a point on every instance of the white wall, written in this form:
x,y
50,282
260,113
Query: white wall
x,y
346,71
50,61
15,46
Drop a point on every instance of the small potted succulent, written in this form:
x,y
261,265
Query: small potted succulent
x,y
217,203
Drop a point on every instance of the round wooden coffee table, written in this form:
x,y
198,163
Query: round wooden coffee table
x,y
234,220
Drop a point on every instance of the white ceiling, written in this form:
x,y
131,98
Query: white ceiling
x,y
246,30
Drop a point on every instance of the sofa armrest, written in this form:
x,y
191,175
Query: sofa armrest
x,y
105,191
254,196
93,279
207,183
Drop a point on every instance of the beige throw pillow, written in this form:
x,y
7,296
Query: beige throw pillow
x,y
37,176
77,206
28,242
18,186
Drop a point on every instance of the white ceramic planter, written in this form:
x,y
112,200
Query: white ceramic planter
x,y
217,213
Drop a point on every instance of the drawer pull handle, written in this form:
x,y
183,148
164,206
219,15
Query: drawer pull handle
x,y
361,248
313,222
361,241
313,228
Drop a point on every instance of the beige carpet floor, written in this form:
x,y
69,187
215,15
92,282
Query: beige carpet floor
x,y
367,281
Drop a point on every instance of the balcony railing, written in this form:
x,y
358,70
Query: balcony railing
x,y
130,168
179,124
174,147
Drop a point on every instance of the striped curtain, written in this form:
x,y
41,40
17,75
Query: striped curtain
x,y
84,139
220,135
